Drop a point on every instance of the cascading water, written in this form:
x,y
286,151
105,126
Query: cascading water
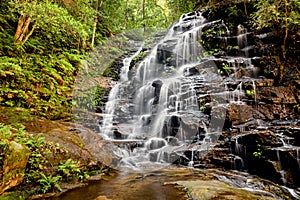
x,y
171,106
160,103
115,95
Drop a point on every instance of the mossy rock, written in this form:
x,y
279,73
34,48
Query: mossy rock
x,y
15,161
213,189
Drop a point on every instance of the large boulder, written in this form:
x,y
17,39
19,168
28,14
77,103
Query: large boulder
x,y
80,143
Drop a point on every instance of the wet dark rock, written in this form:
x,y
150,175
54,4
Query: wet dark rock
x,y
296,134
171,126
191,71
173,141
238,123
263,148
155,143
265,38
183,28
254,138
157,85
165,51
219,157
277,95
276,102
280,165
240,113
118,135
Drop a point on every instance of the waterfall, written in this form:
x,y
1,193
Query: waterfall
x,y
159,104
115,96
242,39
281,171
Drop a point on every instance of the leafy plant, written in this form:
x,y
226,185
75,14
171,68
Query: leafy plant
x,y
83,176
224,70
69,169
258,153
49,183
210,40
250,93
202,108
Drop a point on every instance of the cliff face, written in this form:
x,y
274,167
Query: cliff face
x,y
261,132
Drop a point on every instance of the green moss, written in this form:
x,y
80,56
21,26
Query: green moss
x,y
137,59
108,72
16,195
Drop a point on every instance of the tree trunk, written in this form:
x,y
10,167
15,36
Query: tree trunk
x,y
95,22
286,29
22,33
245,7
22,28
144,16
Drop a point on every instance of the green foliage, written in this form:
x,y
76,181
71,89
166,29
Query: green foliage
x,y
57,24
49,183
47,80
178,7
282,18
98,101
202,108
224,70
126,15
5,134
210,39
232,13
108,72
39,74
137,59
96,171
70,170
258,153
250,93
274,13
35,144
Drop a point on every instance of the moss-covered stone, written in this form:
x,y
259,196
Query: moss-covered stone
x,y
14,165
213,189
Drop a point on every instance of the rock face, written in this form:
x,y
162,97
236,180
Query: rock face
x,y
276,102
261,130
15,161
68,140
239,113
227,109
81,144
262,125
